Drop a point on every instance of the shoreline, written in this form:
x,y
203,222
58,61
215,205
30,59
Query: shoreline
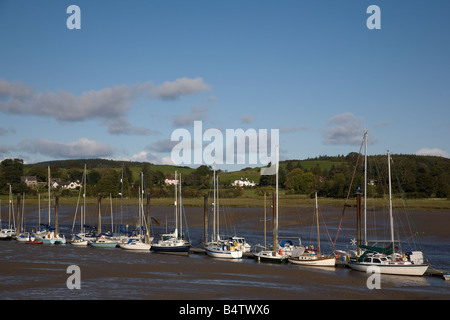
x,y
285,201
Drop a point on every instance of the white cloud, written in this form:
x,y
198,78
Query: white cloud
x,y
82,148
345,129
179,87
433,152
110,106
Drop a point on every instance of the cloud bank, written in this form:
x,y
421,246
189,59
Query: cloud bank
x,y
82,148
109,106
433,152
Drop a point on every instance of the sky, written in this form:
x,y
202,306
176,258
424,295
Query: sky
x,y
137,71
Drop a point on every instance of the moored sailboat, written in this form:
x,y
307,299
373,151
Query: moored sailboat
x,y
139,243
279,253
386,260
220,248
310,257
175,241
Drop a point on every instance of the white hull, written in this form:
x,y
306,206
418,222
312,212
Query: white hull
x,y
104,244
80,243
22,238
395,269
136,245
224,254
271,256
314,261
222,251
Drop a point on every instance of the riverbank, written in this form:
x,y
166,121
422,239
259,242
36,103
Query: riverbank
x,y
251,200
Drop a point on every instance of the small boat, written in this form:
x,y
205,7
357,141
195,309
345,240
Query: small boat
x,y
78,241
223,249
310,256
447,276
32,240
52,238
281,255
135,244
22,237
6,234
174,242
81,239
241,243
104,242
219,248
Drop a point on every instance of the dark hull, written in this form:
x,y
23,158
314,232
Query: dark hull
x,y
184,248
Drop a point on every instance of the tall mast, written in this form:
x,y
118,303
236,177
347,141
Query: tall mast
x,y
390,202
181,211
176,204
83,214
276,187
49,182
214,202
317,222
365,188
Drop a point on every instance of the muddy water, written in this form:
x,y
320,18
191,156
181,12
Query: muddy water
x,y
40,271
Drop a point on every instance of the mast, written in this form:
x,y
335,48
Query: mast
x,y
276,187
49,182
181,212
265,222
39,211
176,204
218,209
317,222
365,188
99,203
390,203
214,202
83,213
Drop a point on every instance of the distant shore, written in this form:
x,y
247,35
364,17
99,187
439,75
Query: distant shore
x,y
285,200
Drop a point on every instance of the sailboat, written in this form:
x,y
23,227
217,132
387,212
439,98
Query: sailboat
x,y
10,231
23,235
79,239
386,259
174,242
137,243
310,257
279,253
52,236
220,248
102,240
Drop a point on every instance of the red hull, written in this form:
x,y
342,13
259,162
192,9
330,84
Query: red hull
x,y
34,242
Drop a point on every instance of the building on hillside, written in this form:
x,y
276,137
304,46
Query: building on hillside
x,y
30,181
243,182
170,182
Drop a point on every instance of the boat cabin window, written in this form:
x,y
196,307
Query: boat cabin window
x,y
376,260
368,260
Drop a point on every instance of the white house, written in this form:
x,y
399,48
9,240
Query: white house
x,y
243,182
169,182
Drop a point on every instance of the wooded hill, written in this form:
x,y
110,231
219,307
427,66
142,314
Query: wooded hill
x,y
330,176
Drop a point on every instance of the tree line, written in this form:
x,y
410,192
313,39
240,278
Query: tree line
x,y
419,177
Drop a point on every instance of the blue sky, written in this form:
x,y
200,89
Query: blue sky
x,y
138,70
